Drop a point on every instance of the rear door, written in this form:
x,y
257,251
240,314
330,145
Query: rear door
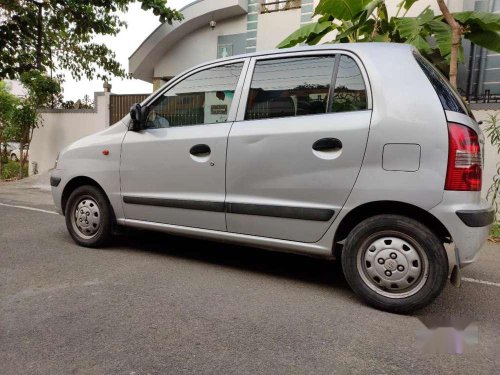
x,y
297,147
173,172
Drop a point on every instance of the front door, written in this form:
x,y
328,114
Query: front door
x,y
174,170
294,157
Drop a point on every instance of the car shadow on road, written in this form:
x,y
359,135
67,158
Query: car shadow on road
x,y
302,269
291,266
318,272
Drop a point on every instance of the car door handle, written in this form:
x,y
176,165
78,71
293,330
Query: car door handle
x,y
200,150
327,144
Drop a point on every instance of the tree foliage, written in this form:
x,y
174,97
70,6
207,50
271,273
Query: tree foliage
x,y
8,104
492,131
23,116
369,21
69,31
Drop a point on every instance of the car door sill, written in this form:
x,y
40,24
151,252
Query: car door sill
x,y
311,249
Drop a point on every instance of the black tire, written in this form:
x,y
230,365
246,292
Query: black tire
x,y
13,157
104,228
422,241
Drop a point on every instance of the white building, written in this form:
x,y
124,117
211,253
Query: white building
x,y
252,25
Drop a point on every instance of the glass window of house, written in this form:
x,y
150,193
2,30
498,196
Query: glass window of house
x,y
350,91
202,98
290,87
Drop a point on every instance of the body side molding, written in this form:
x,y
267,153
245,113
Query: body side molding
x,y
288,212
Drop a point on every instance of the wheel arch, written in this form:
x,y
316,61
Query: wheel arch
x,y
366,210
75,183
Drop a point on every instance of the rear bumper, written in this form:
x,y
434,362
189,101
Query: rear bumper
x,y
477,218
468,222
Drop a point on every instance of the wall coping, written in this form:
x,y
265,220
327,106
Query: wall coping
x,y
83,110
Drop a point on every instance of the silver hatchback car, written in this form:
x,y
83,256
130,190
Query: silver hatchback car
x,y
361,152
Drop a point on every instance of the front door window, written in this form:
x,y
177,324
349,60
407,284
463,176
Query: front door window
x,y
202,98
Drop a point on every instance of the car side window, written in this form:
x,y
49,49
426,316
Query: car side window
x,y
450,99
290,87
349,93
202,98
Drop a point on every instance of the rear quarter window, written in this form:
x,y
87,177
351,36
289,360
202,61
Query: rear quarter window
x,y
450,99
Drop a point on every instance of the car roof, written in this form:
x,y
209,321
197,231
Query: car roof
x,y
363,48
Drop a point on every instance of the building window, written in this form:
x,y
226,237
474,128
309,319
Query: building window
x,y
224,50
269,6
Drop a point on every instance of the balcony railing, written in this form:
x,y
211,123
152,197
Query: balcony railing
x,y
278,6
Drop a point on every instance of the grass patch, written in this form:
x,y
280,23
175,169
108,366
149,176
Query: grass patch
x,y
495,230
11,170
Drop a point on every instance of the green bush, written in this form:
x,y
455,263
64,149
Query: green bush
x,y
495,230
11,170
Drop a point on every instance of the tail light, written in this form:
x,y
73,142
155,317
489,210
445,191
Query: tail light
x,y
464,159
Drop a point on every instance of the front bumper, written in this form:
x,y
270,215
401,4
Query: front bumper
x,y
56,176
55,181
468,222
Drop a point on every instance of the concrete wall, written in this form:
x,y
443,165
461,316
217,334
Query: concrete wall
x,y
416,9
63,127
197,47
272,28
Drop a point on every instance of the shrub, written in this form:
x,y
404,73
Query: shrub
x,y
11,170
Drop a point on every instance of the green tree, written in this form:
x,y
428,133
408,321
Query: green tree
x,y
432,35
8,103
23,120
25,117
65,37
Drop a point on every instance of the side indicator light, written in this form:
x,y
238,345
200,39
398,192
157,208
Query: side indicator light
x,y
105,152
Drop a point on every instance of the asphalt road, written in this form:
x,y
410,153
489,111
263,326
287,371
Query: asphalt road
x,y
157,304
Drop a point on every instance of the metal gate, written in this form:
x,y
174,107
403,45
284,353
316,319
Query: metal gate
x,y
119,105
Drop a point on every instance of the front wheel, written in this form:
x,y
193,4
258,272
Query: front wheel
x,y
88,216
395,263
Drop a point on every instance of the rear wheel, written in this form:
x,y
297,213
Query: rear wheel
x,y
88,216
395,263
13,157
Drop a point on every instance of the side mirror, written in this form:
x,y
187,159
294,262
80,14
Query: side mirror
x,y
137,116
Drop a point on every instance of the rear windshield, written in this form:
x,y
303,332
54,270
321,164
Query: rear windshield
x,y
449,97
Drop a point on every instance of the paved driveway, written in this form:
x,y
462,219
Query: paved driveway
x,y
156,304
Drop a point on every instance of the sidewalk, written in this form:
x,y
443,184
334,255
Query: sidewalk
x,y
34,191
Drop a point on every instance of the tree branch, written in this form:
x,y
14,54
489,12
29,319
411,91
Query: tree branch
x,y
456,37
